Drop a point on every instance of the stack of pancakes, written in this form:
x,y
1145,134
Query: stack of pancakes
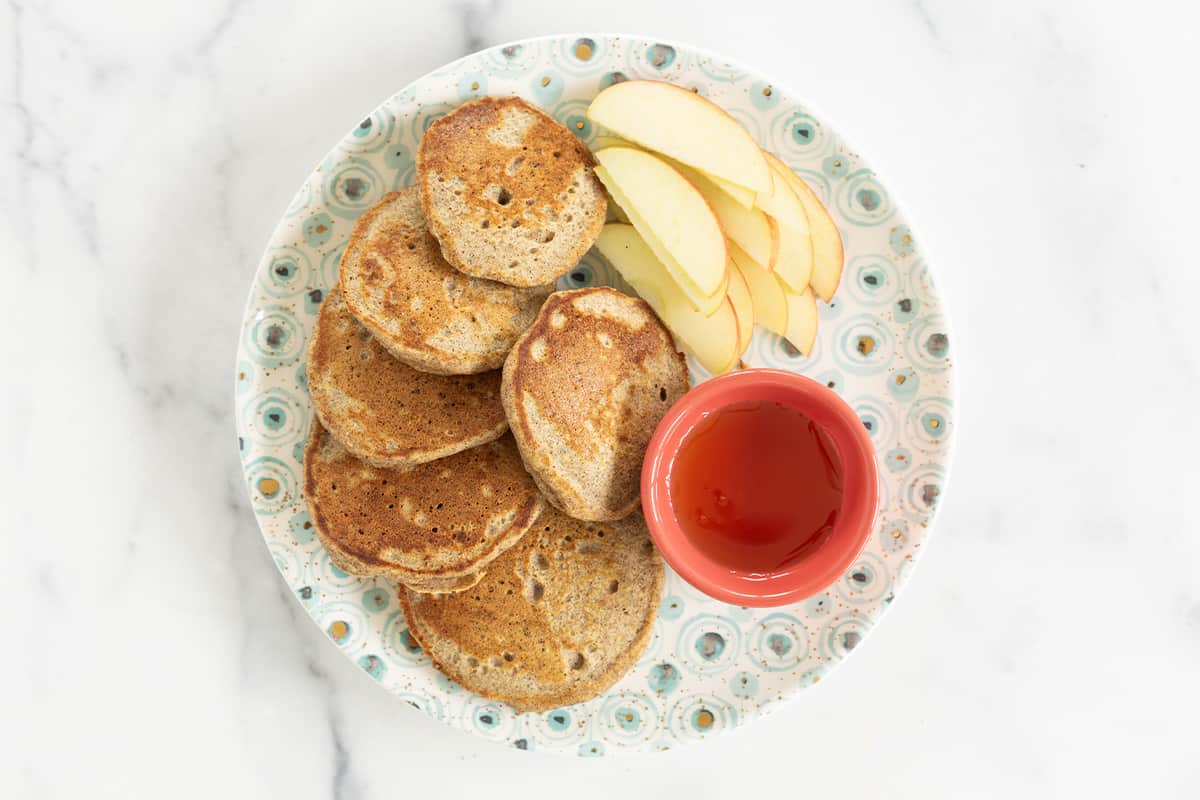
x,y
525,569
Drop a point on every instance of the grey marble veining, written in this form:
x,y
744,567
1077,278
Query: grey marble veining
x,y
1049,642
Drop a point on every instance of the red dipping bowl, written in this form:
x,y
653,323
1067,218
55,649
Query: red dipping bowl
x,y
817,570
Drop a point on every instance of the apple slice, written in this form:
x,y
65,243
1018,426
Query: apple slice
x,y
828,254
802,321
705,304
766,291
782,204
744,197
794,264
685,126
748,227
743,306
670,213
712,340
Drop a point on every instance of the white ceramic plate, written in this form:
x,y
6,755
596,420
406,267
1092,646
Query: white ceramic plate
x,y
883,346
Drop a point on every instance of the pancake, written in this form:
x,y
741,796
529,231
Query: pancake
x,y
509,192
557,619
428,524
385,412
584,389
428,314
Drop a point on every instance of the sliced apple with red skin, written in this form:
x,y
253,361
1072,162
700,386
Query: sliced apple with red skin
x,y
674,219
766,291
748,226
685,126
712,340
828,254
744,197
802,321
743,306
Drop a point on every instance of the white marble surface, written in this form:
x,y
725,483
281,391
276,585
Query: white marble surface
x,y
1050,642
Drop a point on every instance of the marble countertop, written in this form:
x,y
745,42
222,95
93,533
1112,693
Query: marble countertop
x,y
1050,642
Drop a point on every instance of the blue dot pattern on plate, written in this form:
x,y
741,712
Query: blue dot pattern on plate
x,y
884,345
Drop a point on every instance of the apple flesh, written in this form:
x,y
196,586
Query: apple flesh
x,y
712,340
766,291
827,251
673,212
743,306
685,126
802,321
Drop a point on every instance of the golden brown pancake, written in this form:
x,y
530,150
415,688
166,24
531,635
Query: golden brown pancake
x,y
556,620
509,192
385,412
427,313
584,389
428,524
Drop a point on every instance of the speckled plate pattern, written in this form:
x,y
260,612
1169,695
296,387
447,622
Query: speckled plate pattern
x,y
883,345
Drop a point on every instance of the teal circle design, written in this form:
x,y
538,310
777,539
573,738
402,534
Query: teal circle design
x,y
472,86
929,423
923,490
272,485
877,417
287,561
273,337
329,268
927,344
799,136
578,55
862,200
873,279
903,384
318,229
423,702
708,644
557,725
398,643
836,165
352,186
610,78
397,157
696,717
300,525
780,643
818,606
743,685
329,574
625,718
343,622
842,634
901,240
275,417
512,61
921,285
893,535
763,96
864,345
427,115
592,749
866,582
373,133
376,600
373,665
491,719
900,295
671,608
546,87
898,459
289,272
906,309
573,114
663,678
